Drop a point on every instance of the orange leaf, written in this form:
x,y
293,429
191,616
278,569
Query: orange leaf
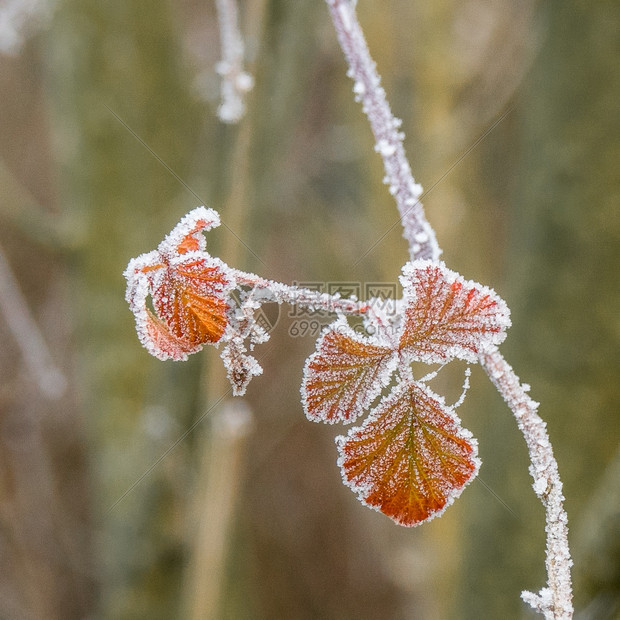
x,y
447,316
190,298
345,374
411,458
193,240
161,342
189,290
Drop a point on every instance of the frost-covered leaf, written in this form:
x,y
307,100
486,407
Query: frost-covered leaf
x,y
191,298
162,343
188,235
188,288
411,458
447,316
344,375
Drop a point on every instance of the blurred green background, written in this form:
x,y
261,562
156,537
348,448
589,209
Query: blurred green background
x,y
132,495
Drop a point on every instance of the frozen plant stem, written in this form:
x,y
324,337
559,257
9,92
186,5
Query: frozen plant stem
x,y
554,601
389,140
269,290
235,81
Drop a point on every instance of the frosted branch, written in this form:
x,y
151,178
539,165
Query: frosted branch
x,y
270,291
554,601
50,380
235,81
385,127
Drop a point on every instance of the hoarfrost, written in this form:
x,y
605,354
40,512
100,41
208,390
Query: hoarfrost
x,y
540,486
235,81
345,15
385,148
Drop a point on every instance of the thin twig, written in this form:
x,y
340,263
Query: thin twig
x,y
49,378
269,290
554,601
417,231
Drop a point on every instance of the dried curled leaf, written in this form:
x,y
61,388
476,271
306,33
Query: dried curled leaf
x,y
411,458
345,374
447,316
188,289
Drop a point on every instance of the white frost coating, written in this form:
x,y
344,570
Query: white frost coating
x,y
269,290
385,149
345,16
555,600
240,367
244,82
359,89
416,189
466,386
540,486
384,127
235,81
187,224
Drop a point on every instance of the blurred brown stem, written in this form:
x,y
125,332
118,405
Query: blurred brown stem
x,y
223,458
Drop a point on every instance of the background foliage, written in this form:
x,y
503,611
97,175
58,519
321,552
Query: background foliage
x,y
108,135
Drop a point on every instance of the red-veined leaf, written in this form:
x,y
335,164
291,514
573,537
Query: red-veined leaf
x,y
411,457
447,316
345,374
